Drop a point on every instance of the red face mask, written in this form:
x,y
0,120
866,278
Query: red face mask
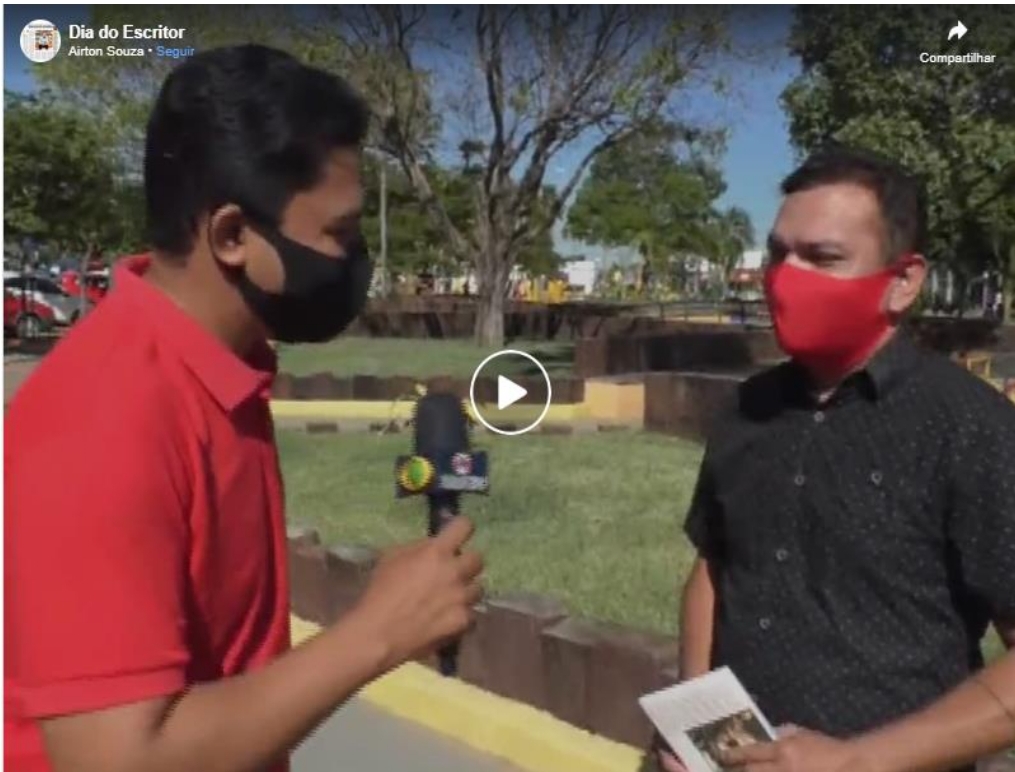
x,y
828,325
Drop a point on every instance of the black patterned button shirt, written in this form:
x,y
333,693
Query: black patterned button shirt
x,y
864,545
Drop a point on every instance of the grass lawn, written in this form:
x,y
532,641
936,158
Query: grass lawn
x,y
552,525
419,358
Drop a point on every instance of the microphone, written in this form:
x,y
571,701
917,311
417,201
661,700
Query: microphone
x,y
441,468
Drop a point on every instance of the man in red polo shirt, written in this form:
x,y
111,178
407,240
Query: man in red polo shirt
x,y
146,598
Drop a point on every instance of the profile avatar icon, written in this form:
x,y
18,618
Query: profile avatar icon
x,y
40,41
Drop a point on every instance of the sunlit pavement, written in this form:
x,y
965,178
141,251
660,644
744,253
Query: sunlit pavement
x,y
16,369
362,738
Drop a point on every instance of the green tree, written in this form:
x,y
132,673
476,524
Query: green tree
x,y
537,254
125,233
416,241
61,179
532,81
863,83
413,240
641,193
529,82
120,91
729,234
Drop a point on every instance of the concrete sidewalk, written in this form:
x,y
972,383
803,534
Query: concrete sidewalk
x,y
16,369
362,738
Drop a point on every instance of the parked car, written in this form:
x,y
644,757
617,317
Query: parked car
x,y
24,317
35,304
96,284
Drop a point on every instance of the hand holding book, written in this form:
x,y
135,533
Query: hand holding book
x,y
711,724
703,718
799,751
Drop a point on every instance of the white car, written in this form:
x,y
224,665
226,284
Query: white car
x,y
45,292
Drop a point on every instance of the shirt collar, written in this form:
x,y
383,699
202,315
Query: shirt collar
x,y
892,362
229,378
885,370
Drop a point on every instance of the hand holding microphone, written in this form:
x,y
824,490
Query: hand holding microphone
x,y
421,595
442,468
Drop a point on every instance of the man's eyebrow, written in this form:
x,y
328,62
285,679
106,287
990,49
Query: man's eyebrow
x,y
777,245
822,246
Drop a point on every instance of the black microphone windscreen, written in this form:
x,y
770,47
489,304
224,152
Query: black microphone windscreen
x,y
441,425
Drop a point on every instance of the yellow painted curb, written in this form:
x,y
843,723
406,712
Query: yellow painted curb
x,y
385,411
528,738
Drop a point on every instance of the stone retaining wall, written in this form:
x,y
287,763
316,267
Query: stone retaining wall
x,y
687,404
437,317
669,346
697,348
326,386
364,426
953,336
454,317
524,647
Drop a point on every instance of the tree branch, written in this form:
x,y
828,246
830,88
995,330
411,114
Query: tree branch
x,y
1006,187
424,190
490,57
492,60
560,199
579,107
392,27
566,103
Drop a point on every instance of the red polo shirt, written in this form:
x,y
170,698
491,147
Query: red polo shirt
x,y
144,545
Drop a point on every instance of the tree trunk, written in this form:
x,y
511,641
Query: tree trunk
x,y
383,283
961,294
1008,288
490,321
493,281
82,294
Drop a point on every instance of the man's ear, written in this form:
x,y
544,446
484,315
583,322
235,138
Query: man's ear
x,y
906,288
226,236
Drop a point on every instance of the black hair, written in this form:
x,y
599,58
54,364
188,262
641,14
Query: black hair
x,y
247,125
900,194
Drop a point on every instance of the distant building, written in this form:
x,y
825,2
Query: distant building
x,y
747,279
581,276
752,259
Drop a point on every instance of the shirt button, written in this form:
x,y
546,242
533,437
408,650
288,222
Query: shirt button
x,y
765,623
876,477
782,555
819,417
799,481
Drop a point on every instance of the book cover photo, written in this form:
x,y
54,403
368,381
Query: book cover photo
x,y
705,716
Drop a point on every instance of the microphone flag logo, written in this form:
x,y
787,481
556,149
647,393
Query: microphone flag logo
x,y
416,474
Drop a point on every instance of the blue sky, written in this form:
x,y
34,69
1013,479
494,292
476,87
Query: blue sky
x,y
758,153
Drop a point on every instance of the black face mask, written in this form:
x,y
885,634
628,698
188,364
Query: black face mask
x,y
320,296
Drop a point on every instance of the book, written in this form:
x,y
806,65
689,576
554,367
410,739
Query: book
x,y
702,717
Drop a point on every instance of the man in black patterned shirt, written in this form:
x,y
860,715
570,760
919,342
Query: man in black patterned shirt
x,y
855,515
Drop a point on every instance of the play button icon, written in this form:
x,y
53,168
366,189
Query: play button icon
x,y
510,392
